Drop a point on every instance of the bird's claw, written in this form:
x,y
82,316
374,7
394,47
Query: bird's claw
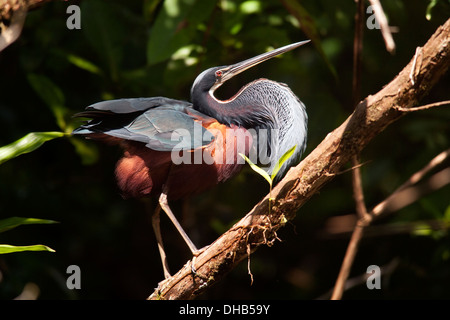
x,y
195,254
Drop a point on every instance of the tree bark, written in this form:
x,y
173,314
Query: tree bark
x,y
12,18
371,116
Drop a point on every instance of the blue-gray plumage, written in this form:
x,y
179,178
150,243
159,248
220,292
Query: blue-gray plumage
x,y
266,106
269,108
264,117
157,122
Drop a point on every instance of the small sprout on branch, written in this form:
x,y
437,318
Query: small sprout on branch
x,y
275,171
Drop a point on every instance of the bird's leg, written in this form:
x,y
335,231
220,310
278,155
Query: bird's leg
x,y
157,231
165,206
195,252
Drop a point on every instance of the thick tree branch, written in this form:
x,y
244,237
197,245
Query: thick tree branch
x,y
12,18
371,116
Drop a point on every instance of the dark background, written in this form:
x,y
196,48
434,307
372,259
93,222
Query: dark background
x,y
156,48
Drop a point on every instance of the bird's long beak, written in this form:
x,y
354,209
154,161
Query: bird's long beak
x,y
233,70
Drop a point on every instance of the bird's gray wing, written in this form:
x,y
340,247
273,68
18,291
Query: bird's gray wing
x,y
160,123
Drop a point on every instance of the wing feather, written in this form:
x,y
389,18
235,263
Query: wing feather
x,y
162,124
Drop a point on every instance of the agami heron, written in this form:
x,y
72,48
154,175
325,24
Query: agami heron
x,y
173,148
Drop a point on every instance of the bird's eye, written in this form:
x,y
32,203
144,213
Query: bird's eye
x,y
219,73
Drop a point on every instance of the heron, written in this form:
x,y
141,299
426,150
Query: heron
x,y
174,149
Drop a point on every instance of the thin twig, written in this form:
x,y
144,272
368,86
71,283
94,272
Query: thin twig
x,y
384,26
358,193
348,262
249,252
411,191
359,165
407,194
357,53
356,93
416,177
386,270
424,107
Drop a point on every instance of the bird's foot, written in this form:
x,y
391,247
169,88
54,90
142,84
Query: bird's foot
x,y
195,254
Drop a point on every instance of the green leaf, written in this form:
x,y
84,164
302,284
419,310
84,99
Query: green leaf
x,y
257,169
282,160
26,144
175,26
83,64
52,95
422,229
430,7
13,222
250,7
6,248
447,214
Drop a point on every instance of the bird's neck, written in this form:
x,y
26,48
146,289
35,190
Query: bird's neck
x,y
238,110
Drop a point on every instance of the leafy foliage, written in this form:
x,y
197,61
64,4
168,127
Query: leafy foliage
x,y
29,143
270,178
156,48
11,223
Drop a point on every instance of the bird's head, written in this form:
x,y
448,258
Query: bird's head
x,y
211,79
